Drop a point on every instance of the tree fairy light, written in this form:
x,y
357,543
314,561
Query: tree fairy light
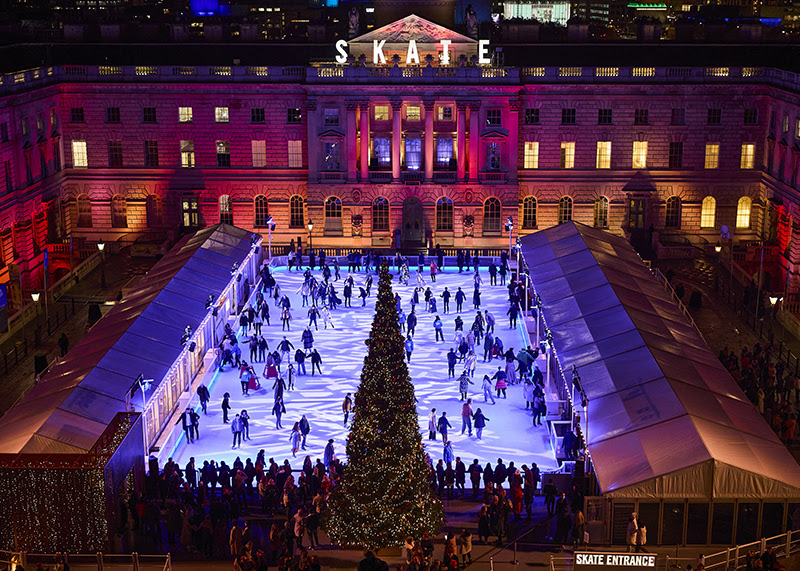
x,y
384,493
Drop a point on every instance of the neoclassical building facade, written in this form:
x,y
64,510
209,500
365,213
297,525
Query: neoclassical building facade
x,y
395,154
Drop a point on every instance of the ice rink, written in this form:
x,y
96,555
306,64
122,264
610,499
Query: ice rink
x,y
509,434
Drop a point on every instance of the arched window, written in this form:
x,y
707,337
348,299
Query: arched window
x,y
84,207
708,214
154,216
529,212
380,215
673,218
261,210
491,215
119,212
333,207
743,212
296,218
444,214
601,212
564,209
226,209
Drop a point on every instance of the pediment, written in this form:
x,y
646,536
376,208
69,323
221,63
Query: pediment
x,y
415,28
331,133
494,133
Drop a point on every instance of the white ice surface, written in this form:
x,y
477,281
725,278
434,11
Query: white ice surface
x,y
509,434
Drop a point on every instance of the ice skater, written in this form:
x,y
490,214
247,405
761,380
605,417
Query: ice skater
x,y
463,385
409,347
278,409
487,389
443,424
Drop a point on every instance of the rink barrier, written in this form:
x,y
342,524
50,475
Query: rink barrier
x,y
22,560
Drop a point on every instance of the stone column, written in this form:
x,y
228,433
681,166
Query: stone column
x,y
474,140
461,143
429,105
313,140
513,139
350,140
397,138
364,108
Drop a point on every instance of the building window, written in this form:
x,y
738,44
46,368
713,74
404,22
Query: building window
x,y
568,116
531,155
223,153
673,217
221,115
748,155
259,149
381,152
151,154
187,154
532,116
381,113
444,151
712,156
154,215
797,129
444,214
3,132
294,115
331,117
603,155
491,215
190,211
115,154
53,120
445,113
296,154
676,155
261,211
84,207
715,116
39,123
80,157
56,144
641,117
601,212
567,154
119,212
751,116
639,155
413,153
785,123
604,116
331,154
43,160
76,115
149,115
257,115
185,115
678,117
494,118
226,209
24,126
296,218
413,113
708,212
493,156
743,212
380,215
773,119
113,115
333,208
564,209
529,212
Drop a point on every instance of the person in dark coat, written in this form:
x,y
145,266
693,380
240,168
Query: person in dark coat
x,y
204,396
226,406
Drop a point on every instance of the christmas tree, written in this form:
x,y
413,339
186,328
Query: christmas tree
x,y
383,495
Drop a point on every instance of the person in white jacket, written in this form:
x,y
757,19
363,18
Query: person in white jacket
x,y
432,425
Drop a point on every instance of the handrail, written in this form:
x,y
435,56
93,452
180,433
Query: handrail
x,y
668,286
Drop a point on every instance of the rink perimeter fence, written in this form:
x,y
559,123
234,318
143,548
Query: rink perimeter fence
x,y
22,561
784,545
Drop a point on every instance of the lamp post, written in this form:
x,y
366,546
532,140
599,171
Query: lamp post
x,y
143,385
270,226
35,297
102,246
510,228
310,242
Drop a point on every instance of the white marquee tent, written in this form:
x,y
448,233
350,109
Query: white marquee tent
x,y
666,419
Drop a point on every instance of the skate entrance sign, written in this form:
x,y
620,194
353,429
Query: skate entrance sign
x,y
595,561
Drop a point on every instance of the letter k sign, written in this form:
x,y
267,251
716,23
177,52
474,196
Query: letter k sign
x,y
377,52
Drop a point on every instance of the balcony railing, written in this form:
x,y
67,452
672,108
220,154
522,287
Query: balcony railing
x,y
444,177
380,176
332,176
493,177
413,176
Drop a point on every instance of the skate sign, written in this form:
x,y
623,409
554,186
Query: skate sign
x,y
595,561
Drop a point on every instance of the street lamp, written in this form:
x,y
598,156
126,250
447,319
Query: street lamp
x,y
310,228
510,229
102,246
717,247
270,228
35,297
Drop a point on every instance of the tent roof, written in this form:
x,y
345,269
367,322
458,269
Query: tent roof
x,y
665,417
71,406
